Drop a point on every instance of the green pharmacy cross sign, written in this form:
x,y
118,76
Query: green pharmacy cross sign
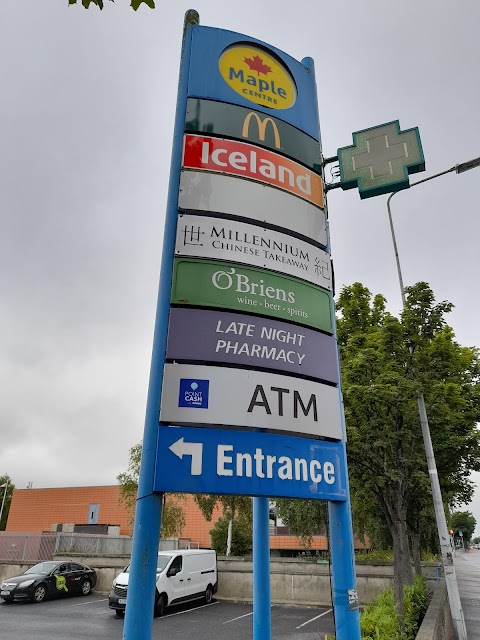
x,y
381,159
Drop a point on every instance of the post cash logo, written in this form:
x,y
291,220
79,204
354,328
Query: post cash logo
x,y
193,393
258,76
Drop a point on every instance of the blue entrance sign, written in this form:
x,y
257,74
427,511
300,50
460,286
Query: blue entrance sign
x,y
217,461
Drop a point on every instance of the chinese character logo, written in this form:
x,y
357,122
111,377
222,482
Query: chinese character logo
x,y
191,236
321,268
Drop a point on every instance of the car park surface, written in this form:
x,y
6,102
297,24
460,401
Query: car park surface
x,y
90,617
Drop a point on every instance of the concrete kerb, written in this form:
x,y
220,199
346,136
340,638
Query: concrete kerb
x,y
437,623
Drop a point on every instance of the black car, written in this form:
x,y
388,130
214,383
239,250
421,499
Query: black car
x,y
48,579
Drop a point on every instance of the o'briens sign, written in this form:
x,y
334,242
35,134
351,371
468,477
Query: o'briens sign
x,y
218,284
204,237
199,395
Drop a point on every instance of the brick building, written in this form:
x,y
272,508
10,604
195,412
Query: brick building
x,y
39,510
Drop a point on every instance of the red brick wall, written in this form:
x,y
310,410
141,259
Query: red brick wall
x,y
196,527
34,510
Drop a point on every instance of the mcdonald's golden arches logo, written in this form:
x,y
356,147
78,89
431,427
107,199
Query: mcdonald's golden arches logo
x,y
262,127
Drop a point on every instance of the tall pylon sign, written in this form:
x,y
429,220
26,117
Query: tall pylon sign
x,y
245,392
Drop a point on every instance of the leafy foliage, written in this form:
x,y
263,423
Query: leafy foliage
x,y
304,517
173,516
234,509
415,601
382,555
135,4
386,362
241,535
463,521
128,480
380,621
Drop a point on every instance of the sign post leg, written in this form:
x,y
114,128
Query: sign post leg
x,y
262,621
146,533
344,584
140,601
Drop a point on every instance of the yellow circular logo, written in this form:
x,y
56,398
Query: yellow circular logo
x,y
257,76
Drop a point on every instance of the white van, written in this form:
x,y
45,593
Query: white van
x,y
182,576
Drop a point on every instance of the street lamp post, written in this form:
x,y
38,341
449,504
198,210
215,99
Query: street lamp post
x,y
3,486
444,538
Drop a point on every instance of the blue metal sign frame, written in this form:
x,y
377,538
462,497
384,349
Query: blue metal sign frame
x,y
199,78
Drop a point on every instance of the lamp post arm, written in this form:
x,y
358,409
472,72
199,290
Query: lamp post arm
x,y
400,278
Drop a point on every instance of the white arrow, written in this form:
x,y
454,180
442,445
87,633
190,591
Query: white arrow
x,y
194,449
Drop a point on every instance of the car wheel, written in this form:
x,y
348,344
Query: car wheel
x,y
209,594
119,614
161,605
86,587
39,593
7,601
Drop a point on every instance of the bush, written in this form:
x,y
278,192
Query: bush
x,y
415,603
379,620
241,536
375,556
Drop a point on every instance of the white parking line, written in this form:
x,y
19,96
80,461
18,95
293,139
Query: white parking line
x,y
179,613
81,604
238,618
312,619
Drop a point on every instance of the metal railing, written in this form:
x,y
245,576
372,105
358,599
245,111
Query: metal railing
x,y
30,548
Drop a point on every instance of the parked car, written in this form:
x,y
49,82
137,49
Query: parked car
x,y
182,576
48,579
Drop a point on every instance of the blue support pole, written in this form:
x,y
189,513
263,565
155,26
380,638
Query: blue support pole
x,y
344,581
342,549
262,620
146,532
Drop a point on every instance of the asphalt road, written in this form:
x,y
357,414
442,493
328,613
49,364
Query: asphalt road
x,y
88,618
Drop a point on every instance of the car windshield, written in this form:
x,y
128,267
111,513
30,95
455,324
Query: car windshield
x,y
42,567
161,564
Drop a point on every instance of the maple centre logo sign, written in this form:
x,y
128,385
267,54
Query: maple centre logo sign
x,y
257,77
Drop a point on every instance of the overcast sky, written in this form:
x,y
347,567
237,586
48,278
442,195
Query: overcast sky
x,y
86,119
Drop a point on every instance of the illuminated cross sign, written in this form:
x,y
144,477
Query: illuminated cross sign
x,y
381,159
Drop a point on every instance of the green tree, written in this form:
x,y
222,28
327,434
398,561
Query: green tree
x,y
6,491
241,535
135,4
462,521
173,516
303,517
233,507
385,362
